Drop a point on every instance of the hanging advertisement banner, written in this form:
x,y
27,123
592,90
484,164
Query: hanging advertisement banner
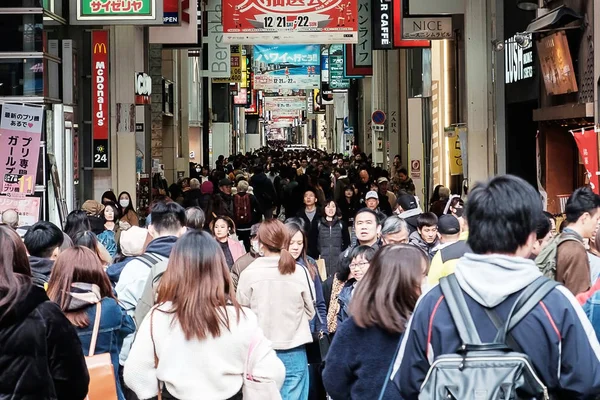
x,y
290,21
252,108
100,99
587,144
286,67
219,55
236,66
20,135
115,12
27,208
318,106
285,103
454,150
398,41
337,80
241,99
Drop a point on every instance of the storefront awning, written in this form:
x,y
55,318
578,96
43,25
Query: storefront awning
x,y
564,112
556,18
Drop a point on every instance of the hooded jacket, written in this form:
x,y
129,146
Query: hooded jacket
x,y
556,334
416,240
133,280
41,356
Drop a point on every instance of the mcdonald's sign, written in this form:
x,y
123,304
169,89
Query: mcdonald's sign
x,y
100,99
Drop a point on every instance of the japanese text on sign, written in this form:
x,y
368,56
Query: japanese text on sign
x,y
363,53
286,67
107,7
290,21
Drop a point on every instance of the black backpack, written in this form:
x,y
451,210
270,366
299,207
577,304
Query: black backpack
x,y
486,371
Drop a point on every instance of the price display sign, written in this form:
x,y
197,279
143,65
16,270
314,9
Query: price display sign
x,y
290,21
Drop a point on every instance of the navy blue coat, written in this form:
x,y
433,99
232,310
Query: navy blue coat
x,y
358,361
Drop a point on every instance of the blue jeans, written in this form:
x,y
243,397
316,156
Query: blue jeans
x,y
295,386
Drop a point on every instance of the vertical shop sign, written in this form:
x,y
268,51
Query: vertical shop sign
x,y
587,145
325,65
114,12
171,12
236,66
100,99
287,67
337,80
381,12
363,50
290,21
219,54
20,135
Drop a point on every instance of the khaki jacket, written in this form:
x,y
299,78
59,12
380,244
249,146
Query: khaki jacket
x,y
283,303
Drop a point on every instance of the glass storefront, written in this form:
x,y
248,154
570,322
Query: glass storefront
x,y
21,33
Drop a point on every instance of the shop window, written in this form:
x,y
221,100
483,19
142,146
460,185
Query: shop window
x,y
21,33
22,77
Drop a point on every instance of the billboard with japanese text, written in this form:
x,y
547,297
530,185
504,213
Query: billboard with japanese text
x,y
20,135
290,21
114,12
285,103
287,67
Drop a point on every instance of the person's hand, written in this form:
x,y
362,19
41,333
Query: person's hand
x,y
124,225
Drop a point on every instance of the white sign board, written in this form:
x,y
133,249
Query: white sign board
x,y
219,54
436,7
427,28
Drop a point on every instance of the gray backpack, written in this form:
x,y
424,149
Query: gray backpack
x,y
486,371
157,265
546,260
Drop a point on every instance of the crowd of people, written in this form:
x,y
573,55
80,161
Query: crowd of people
x,y
317,275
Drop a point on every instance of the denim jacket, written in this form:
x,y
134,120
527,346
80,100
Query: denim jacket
x,y
115,324
344,299
592,310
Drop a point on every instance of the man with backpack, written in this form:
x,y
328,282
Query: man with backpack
x,y
140,276
496,326
565,258
246,212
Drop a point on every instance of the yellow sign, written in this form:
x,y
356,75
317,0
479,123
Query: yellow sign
x,y
236,67
244,80
456,167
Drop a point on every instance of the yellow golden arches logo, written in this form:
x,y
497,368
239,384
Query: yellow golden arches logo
x,y
100,48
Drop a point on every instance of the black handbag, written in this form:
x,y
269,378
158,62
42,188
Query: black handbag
x,y
316,351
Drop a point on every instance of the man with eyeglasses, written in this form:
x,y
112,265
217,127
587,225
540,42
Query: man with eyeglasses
x,y
426,236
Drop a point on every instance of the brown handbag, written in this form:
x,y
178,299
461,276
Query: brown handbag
x,y
102,373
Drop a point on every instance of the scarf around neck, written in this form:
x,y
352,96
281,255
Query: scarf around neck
x,y
83,295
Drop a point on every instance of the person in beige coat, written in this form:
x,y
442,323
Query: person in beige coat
x,y
280,293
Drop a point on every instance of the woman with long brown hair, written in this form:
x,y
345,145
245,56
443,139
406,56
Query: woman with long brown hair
x,y
364,345
196,340
41,355
80,287
278,291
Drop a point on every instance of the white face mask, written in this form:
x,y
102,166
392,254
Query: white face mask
x,y
124,203
255,246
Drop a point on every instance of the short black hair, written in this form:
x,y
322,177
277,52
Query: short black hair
x,y
502,215
167,217
403,171
543,227
42,239
427,219
369,211
583,200
341,171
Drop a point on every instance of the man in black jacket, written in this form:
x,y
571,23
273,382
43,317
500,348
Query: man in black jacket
x,y
43,241
264,191
223,204
192,197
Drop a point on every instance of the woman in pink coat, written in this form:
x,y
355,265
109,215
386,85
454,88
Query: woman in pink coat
x,y
222,229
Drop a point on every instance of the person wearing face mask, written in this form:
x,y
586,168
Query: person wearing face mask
x,y
363,347
128,213
242,263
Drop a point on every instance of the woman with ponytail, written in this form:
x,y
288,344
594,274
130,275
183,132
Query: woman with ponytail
x,y
280,293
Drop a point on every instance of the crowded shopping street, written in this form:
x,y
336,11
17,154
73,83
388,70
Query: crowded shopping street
x,y
299,200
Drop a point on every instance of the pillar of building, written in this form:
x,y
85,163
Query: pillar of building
x,y
393,144
379,92
479,87
364,115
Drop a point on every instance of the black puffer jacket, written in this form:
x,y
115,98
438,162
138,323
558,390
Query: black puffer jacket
x,y
40,353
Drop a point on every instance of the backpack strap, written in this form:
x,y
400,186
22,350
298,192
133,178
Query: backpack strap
x,y
461,315
525,303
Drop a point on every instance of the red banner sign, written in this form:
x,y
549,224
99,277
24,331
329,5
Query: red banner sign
x,y
100,99
290,21
588,149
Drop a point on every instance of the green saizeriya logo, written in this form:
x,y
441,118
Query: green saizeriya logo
x,y
116,7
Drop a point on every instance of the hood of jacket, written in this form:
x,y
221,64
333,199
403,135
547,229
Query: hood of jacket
x,y
478,275
33,297
416,240
42,266
162,245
